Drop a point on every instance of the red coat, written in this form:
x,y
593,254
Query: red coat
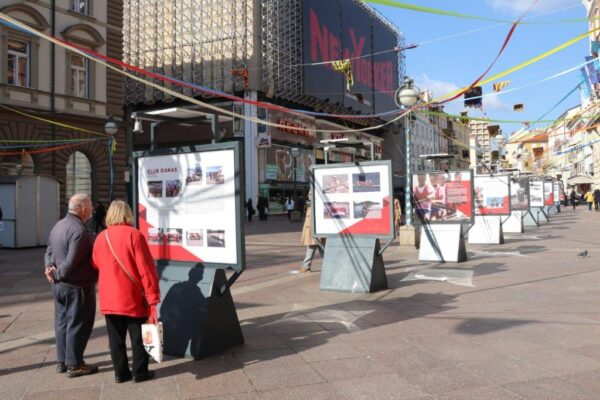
x,y
118,294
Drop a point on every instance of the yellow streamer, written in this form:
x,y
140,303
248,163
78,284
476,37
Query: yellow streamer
x,y
522,65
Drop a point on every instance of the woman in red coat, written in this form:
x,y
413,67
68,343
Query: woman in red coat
x,y
128,290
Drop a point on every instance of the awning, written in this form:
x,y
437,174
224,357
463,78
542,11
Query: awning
x,y
580,180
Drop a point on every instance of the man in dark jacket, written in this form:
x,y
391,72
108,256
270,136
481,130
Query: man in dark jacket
x,y
68,268
596,199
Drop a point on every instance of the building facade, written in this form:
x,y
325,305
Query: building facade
x,y
269,51
46,81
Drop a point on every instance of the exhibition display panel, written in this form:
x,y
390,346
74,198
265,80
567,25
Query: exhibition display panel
x,y
536,193
519,193
492,195
443,197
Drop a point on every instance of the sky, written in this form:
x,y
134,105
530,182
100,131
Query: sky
x,y
453,52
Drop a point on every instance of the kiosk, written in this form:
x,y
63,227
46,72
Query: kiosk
x,y
189,206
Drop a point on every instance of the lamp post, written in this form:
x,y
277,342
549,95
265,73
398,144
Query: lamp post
x,y
110,128
406,97
295,152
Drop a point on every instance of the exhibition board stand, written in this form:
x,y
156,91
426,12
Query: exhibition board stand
x,y
486,230
353,264
188,203
530,218
514,223
442,243
353,209
542,214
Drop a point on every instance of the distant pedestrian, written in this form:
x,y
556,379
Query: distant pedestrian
x,y
0,213
261,206
128,290
99,215
289,206
250,210
589,198
573,198
68,268
597,200
312,245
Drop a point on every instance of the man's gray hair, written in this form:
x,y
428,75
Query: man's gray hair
x,y
78,201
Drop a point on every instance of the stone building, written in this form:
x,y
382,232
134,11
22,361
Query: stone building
x,y
49,82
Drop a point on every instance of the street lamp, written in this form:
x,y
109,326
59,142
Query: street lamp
x,y
406,97
295,152
111,128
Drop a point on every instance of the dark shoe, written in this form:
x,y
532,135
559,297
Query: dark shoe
x,y
145,377
81,370
119,379
61,368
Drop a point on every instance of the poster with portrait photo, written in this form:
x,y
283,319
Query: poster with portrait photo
x,y
536,193
443,197
353,199
189,206
492,194
519,193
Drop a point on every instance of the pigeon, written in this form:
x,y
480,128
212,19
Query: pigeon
x,y
583,253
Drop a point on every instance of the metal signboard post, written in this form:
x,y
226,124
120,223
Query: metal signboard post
x,y
353,209
443,203
492,205
188,203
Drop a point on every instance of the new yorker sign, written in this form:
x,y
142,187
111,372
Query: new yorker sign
x,y
340,29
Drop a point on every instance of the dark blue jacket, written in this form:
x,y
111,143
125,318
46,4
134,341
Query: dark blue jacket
x,y
70,251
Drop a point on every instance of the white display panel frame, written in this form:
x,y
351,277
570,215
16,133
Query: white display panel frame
x,y
188,204
353,199
548,193
523,183
496,186
536,193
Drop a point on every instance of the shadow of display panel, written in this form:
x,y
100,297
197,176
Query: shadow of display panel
x,y
188,205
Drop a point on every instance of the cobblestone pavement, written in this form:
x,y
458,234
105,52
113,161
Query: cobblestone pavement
x,y
520,320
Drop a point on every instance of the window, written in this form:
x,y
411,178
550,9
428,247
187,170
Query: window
x,y
81,6
79,175
79,76
18,63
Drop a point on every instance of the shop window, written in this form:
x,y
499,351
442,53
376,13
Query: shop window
x,y
18,59
79,175
79,76
81,6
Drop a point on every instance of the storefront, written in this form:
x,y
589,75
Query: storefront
x,y
277,177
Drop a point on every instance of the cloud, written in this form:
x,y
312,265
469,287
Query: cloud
x,y
520,6
442,88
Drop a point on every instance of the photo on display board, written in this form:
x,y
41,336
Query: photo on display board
x,y
492,195
367,182
519,194
195,238
174,236
367,210
155,236
536,193
336,210
216,238
173,188
155,188
443,197
194,176
335,184
214,176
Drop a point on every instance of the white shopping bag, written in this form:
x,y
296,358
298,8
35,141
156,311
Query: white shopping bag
x,y
152,336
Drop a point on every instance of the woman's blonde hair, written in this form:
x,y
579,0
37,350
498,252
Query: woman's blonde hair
x,y
119,212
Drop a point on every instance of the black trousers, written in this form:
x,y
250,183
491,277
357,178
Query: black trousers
x,y
74,312
117,327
